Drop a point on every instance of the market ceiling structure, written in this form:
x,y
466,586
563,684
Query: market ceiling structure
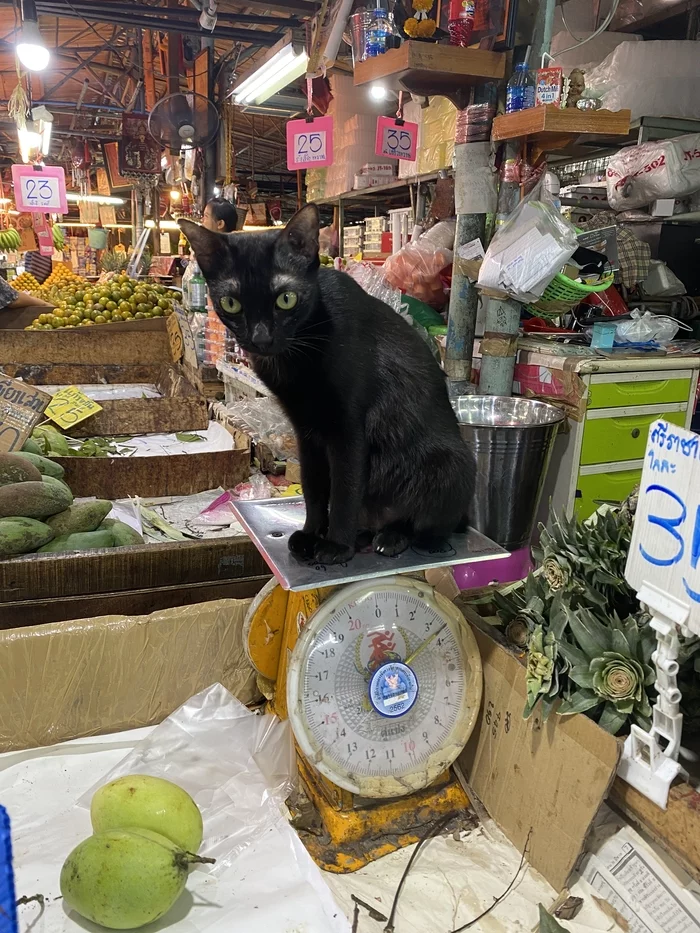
x,y
99,66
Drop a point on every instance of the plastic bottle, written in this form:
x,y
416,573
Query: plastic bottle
x,y
520,93
461,22
378,32
197,291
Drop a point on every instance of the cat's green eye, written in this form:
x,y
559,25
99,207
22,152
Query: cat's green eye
x,y
230,305
286,301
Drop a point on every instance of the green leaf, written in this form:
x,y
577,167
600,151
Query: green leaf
x,y
582,676
548,704
619,642
548,924
573,655
647,644
592,636
188,438
580,702
611,719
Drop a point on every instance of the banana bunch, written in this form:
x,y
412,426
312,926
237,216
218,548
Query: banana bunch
x,y
59,238
9,240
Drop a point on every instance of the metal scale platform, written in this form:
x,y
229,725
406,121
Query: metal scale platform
x,y
380,677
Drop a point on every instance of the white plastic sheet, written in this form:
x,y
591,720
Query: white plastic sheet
x,y
272,886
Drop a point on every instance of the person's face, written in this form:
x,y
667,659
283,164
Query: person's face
x,y
210,222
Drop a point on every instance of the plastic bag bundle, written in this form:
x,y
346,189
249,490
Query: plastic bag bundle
x,y
667,169
416,268
655,329
371,279
529,249
265,422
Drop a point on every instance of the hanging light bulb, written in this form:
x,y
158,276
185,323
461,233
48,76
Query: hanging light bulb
x,y
174,194
31,50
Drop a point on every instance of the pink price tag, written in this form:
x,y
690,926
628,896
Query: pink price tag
x,y
40,188
309,143
396,139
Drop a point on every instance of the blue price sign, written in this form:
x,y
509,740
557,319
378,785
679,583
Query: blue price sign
x,y
665,546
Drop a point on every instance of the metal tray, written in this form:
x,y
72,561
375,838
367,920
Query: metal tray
x,y
270,522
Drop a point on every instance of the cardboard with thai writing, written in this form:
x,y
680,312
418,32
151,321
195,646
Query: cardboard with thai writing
x,y
21,408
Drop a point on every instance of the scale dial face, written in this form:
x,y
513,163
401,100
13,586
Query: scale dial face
x,y
384,686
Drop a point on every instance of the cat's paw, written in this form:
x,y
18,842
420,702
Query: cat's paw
x,y
390,543
303,544
328,552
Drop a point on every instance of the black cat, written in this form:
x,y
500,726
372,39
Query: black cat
x,y
380,449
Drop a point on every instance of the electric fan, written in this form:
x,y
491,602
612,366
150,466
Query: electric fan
x,y
184,121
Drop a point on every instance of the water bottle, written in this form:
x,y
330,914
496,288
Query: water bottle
x,y
461,22
520,93
197,291
378,32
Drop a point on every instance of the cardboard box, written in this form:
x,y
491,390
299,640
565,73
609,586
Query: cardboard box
x,y
126,342
545,781
20,410
107,674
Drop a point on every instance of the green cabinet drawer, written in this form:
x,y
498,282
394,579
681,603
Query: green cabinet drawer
x,y
642,392
607,440
606,487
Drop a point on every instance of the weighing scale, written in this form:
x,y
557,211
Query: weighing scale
x,y
380,677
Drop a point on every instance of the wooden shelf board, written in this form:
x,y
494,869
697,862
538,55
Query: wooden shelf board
x,y
430,69
554,124
391,187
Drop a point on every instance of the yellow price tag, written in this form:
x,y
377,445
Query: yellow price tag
x,y
69,406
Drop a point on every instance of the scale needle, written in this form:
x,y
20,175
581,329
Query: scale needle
x,y
425,644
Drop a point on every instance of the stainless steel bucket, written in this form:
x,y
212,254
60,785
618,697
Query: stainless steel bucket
x,y
356,36
511,440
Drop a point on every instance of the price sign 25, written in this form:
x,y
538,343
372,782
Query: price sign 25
x,y
396,139
309,143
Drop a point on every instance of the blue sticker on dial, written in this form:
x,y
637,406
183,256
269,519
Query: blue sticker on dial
x,y
393,689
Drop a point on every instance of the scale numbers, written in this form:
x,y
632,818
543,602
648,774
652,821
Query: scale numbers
x,y
370,649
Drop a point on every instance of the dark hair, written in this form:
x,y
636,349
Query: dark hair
x,y
224,210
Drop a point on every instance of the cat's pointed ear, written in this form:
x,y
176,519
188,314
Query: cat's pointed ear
x,y
301,233
211,249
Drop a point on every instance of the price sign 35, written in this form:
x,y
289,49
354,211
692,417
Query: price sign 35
x,y
396,139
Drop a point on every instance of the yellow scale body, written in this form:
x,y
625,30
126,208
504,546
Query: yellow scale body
x,y
345,832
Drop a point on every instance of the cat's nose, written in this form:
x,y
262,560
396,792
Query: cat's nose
x,y
261,336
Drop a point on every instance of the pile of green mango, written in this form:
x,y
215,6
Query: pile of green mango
x,y
132,870
37,512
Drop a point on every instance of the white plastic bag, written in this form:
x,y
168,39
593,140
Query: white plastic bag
x,y
638,175
529,249
647,328
238,768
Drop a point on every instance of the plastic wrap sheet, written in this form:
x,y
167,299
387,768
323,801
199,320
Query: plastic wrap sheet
x,y
221,754
272,886
106,674
652,79
263,420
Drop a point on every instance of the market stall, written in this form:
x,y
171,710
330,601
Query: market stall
x,y
348,476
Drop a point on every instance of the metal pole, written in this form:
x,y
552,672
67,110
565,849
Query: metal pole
x,y
502,315
464,301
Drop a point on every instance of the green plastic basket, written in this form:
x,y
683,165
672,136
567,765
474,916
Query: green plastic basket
x,y
562,294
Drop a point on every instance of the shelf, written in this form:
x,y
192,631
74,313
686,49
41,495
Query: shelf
x,y
429,69
391,187
551,128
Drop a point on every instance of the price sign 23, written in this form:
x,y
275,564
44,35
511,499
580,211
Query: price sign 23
x,y
665,546
396,139
40,188
309,143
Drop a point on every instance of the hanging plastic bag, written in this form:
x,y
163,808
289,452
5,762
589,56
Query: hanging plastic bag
x,y
531,247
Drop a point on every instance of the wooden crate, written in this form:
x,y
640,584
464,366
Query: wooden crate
x,y
42,588
181,407
129,342
179,475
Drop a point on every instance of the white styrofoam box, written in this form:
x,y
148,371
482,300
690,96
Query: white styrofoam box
x,y
376,224
652,79
360,182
